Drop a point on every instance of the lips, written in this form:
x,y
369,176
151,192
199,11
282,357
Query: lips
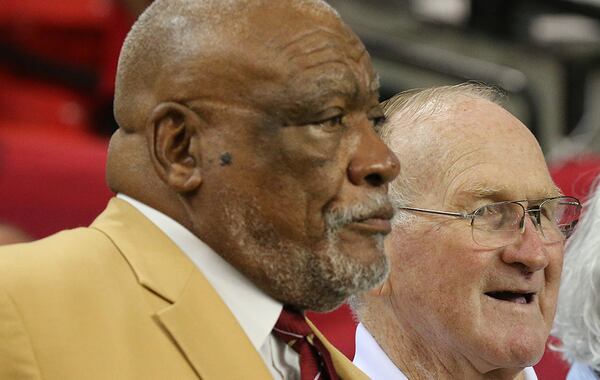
x,y
375,222
518,297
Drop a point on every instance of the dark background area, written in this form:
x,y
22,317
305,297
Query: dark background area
x,y
544,54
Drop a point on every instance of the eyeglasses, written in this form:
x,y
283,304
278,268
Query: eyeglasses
x,y
499,224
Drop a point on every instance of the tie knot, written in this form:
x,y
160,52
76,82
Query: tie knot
x,y
292,325
315,360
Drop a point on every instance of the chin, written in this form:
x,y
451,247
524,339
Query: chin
x,y
319,277
517,354
525,356
335,276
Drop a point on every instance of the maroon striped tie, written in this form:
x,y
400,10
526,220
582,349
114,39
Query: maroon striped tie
x,y
315,360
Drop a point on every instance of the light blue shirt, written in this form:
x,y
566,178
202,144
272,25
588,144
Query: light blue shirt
x,y
580,371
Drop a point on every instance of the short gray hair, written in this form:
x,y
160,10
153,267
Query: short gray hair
x,y
577,322
411,109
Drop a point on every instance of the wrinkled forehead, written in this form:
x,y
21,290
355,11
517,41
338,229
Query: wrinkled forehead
x,y
277,58
321,45
494,157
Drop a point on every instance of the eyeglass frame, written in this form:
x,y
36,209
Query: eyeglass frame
x,y
526,210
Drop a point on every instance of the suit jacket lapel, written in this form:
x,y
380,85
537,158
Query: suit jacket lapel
x,y
196,318
343,366
218,349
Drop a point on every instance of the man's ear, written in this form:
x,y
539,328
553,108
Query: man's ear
x,y
174,142
382,290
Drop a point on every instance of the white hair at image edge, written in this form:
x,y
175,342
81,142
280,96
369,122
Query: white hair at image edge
x,y
577,322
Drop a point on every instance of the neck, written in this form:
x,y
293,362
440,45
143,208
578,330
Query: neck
x,y
414,354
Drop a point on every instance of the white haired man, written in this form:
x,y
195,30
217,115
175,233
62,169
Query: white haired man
x,y
578,316
476,247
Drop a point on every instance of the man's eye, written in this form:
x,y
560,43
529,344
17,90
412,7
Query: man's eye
x,y
331,123
378,122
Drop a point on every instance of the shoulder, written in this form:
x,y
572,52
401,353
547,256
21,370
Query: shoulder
x,y
50,256
62,264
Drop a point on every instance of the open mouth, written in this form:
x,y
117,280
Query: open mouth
x,y
515,297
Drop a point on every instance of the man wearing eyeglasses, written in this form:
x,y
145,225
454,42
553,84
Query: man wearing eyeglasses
x,y
476,248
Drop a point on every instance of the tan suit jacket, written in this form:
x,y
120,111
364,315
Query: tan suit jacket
x,y
119,300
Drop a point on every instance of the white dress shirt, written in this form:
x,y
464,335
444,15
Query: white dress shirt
x,y
255,311
374,362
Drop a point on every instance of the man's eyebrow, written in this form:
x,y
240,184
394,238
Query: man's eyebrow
x,y
502,193
325,88
481,191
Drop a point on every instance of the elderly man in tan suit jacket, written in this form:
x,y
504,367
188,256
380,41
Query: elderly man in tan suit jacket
x,y
251,186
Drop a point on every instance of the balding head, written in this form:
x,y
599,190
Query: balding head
x,y
177,47
252,124
413,129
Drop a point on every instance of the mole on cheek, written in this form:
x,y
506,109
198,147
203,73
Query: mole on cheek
x,y
226,159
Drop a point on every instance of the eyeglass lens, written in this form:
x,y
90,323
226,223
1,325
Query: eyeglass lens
x,y
499,224
559,217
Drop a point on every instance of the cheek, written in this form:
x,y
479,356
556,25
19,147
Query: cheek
x,y
308,146
552,283
430,271
313,162
555,265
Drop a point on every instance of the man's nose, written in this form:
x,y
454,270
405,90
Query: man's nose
x,y
374,164
528,250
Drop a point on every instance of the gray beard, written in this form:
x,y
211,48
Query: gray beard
x,y
318,279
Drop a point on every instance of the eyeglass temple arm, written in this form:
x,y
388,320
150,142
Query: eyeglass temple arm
x,y
447,213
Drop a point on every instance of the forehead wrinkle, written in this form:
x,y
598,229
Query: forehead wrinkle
x,y
317,49
347,82
199,105
478,190
342,86
458,176
319,57
307,34
325,62
305,44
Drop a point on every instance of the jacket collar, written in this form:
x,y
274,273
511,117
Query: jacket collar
x,y
197,320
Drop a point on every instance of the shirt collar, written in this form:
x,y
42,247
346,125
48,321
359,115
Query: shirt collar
x,y
255,311
375,363
372,360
